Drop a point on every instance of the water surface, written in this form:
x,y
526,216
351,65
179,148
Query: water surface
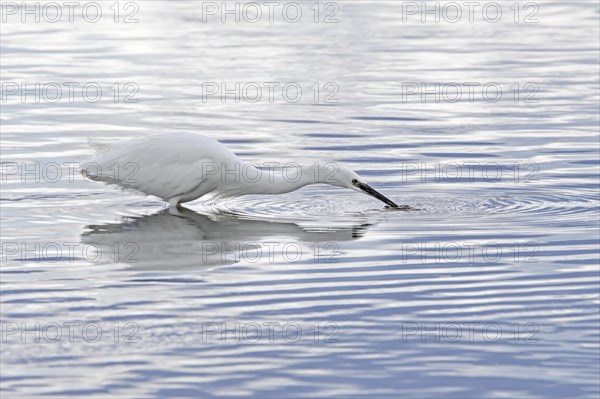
x,y
489,289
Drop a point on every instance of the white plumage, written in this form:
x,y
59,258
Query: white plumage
x,y
182,167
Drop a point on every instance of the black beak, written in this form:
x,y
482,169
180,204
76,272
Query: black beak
x,y
373,193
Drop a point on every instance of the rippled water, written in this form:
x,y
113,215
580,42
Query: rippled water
x,y
489,289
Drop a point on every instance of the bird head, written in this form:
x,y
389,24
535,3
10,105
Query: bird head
x,y
347,178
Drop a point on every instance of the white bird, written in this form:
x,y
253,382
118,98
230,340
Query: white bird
x,y
182,167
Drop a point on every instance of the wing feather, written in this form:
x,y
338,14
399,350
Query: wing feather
x,y
166,166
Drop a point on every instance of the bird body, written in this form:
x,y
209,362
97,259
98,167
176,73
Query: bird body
x,y
183,167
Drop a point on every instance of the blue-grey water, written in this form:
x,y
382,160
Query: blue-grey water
x,y
490,288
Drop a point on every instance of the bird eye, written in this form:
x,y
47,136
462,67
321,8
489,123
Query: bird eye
x,y
354,181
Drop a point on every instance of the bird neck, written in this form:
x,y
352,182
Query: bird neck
x,y
278,180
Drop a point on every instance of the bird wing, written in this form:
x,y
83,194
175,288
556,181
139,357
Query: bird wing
x,y
166,166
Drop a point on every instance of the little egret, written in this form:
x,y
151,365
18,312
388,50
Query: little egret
x,y
182,167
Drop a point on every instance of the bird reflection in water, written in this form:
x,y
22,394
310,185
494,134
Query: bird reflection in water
x,y
178,238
